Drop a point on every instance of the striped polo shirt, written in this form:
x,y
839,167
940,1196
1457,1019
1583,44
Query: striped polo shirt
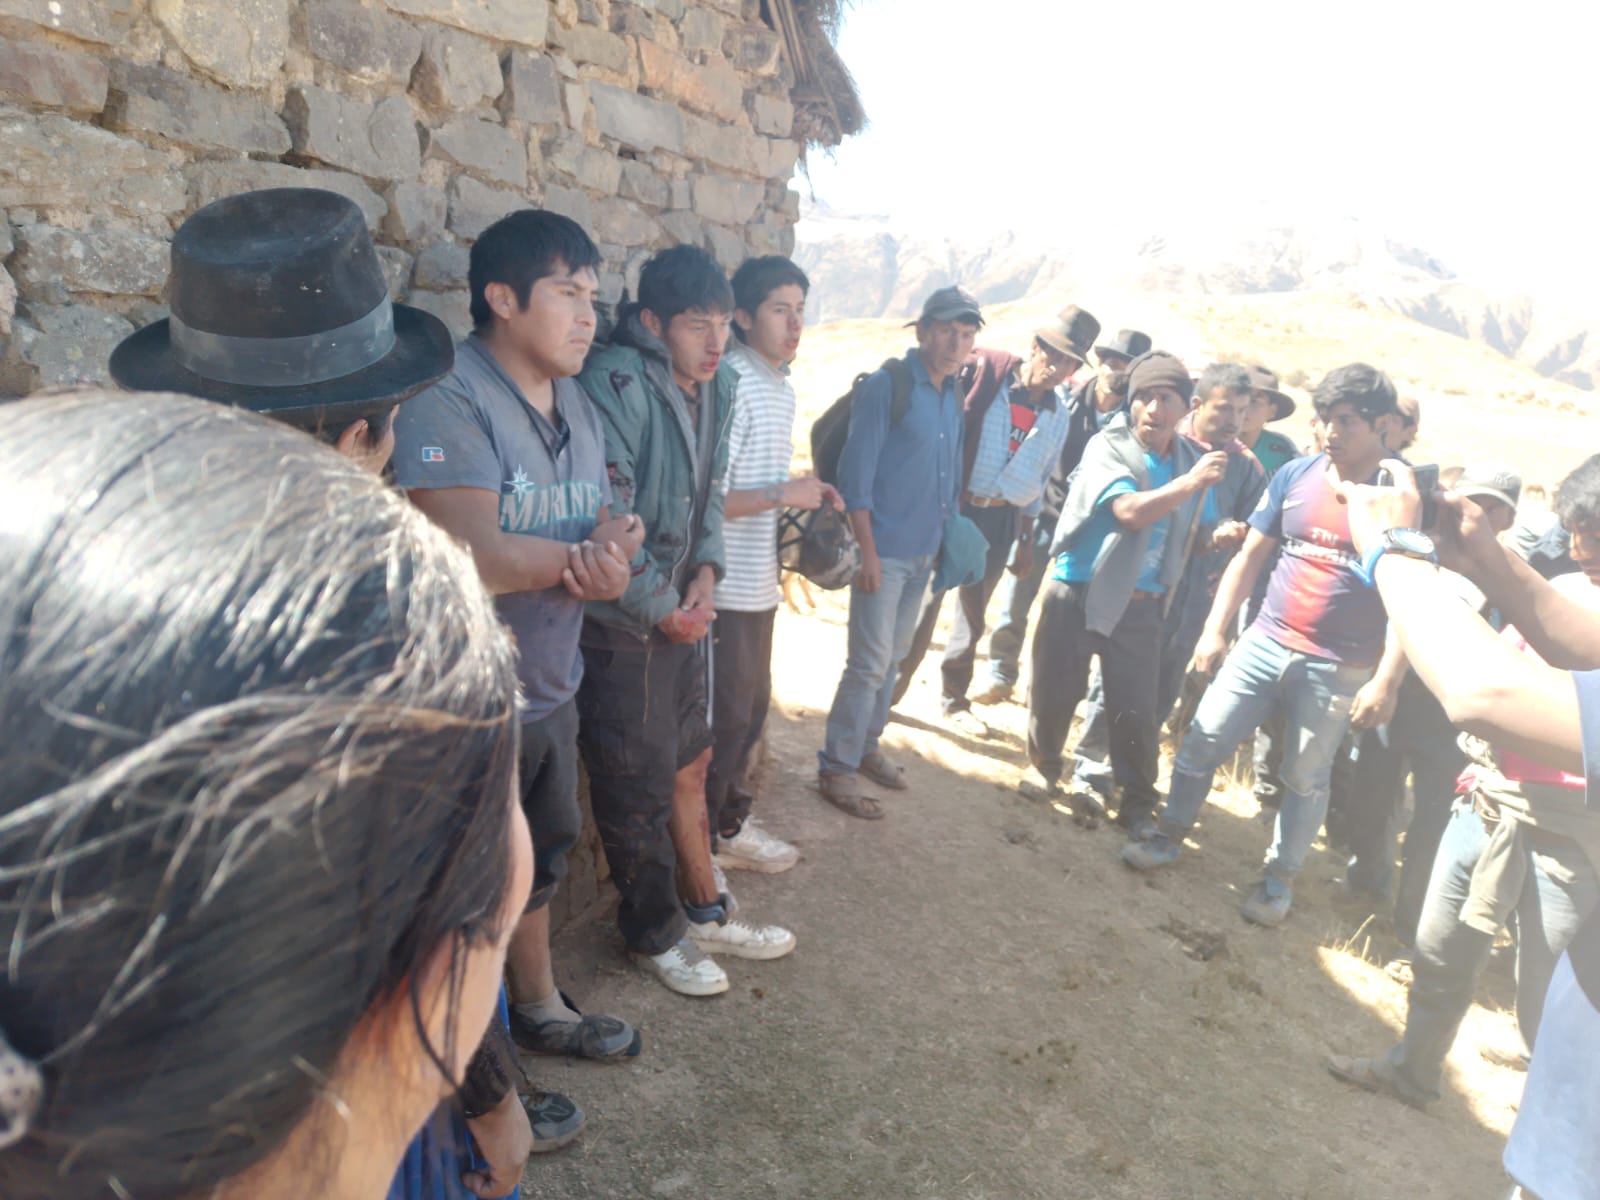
x,y
760,445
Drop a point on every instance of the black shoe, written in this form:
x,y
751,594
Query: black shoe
x,y
556,1120
592,1036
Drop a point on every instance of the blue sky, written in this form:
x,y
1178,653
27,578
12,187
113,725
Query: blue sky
x,y
1468,130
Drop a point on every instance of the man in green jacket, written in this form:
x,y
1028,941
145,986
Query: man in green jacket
x,y
666,404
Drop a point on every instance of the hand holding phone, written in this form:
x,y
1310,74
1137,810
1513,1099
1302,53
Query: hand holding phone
x,y
1427,478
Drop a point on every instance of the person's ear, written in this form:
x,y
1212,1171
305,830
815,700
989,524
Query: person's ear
x,y
352,442
653,323
744,320
501,299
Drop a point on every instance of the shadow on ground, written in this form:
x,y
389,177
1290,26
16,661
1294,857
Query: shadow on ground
x,y
985,1003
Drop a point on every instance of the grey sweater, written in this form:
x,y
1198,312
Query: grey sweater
x,y
1111,454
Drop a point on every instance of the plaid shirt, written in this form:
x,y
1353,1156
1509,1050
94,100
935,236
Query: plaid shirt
x,y
1019,478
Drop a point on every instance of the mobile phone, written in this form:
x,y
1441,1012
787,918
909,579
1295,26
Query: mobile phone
x,y
1427,478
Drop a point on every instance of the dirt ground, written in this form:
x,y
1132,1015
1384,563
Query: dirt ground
x,y
985,1003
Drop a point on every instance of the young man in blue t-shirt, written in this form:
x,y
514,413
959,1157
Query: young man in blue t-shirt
x,y
1313,649
1120,548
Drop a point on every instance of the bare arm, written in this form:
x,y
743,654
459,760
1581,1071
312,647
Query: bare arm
x,y
1239,580
1375,702
506,562
1139,510
808,493
1486,685
871,575
1565,633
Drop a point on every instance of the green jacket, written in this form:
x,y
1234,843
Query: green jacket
x,y
652,461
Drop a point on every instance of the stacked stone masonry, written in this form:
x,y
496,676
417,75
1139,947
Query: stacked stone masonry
x,y
653,122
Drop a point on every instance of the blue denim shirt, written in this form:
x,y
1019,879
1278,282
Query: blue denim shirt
x,y
907,476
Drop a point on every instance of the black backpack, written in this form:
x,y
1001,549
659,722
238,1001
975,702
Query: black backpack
x,y
829,431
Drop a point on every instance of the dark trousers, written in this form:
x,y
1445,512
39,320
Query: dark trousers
x,y
1421,742
1182,627
741,693
1130,665
999,525
548,768
642,714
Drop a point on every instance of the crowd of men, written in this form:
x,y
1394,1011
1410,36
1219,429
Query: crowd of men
x,y
622,501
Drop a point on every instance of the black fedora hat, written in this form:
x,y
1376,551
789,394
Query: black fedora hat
x,y
279,305
1072,333
1128,344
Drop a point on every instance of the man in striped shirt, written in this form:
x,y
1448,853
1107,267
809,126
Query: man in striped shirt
x,y
769,296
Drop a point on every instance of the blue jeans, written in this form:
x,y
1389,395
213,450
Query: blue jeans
x,y
881,627
1561,890
1017,594
1315,694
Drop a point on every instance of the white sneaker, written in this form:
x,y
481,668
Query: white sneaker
x,y
742,939
721,876
754,849
686,969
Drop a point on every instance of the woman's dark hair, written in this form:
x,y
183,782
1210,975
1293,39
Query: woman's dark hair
x,y
683,279
521,249
1577,498
259,744
1365,388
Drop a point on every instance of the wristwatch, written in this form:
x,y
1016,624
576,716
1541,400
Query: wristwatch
x,y
1412,543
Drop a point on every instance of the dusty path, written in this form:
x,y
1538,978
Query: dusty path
x,y
985,1003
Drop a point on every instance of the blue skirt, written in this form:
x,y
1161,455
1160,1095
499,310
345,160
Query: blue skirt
x,y
439,1155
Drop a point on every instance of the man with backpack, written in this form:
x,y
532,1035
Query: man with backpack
x,y
1016,425
899,472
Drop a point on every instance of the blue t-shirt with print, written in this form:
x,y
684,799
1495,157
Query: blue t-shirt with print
x,y
1076,563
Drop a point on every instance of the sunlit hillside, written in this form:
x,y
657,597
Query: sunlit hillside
x,y
1477,405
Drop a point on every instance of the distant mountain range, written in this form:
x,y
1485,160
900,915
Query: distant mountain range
x,y
862,266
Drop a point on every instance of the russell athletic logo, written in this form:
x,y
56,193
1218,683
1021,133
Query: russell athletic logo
x,y
433,454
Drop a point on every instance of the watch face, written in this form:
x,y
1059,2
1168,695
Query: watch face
x,y
1411,541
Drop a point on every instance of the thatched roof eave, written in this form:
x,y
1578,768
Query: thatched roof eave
x,y
827,106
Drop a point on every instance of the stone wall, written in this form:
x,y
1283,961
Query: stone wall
x,y
652,122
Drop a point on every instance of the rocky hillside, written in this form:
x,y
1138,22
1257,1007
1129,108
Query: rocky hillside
x,y
866,267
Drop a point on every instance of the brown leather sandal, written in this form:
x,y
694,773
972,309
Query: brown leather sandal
x,y
877,767
844,793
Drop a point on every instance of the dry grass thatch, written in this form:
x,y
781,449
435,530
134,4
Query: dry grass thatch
x,y
826,103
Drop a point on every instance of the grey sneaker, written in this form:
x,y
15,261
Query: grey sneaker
x,y
1151,853
1268,902
555,1119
